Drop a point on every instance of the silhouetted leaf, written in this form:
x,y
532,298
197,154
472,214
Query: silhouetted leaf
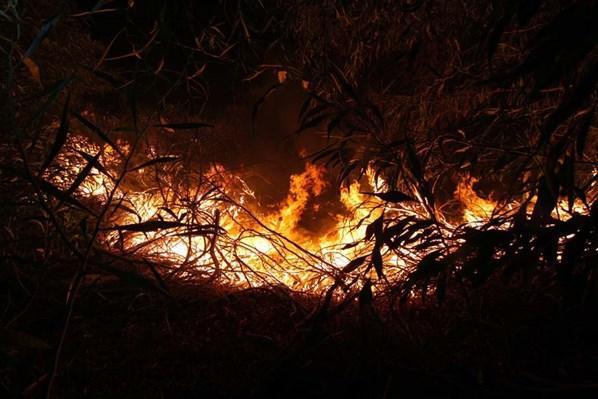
x,y
414,163
377,261
151,225
351,245
260,102
572,100
346,171
580,132
59,194
392,196
52,94
314,122
527,9
365,295
374,228
354,264
202,230
343,84
41,35
82,175
61,135
334,123
429,266
547,199
99,132
96,163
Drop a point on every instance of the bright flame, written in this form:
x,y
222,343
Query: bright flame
x,y
476,209
216,227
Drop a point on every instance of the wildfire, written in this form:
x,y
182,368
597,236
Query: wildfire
x,y
249,244
216,227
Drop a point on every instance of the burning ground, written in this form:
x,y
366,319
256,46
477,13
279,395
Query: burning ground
x,y
271,200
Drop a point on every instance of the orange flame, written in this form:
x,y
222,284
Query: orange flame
x,y
476,209
255,246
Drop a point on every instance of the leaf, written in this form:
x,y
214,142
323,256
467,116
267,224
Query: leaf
x,y
429,266
365,294
100,4
395,230
154,161
260,102
351,245
392,196
305,106
33,69
354,264
61,135
377,261
580,131
59,194
281,75
115,82
547,199
202,230
150,225
572,100
343,84
96,163
315,111
323,154
414,162
185,126
41,35
334,123
21,339
527,9
346,171
98,132
52,94
83,174
316,121
495,34
374,228
566,177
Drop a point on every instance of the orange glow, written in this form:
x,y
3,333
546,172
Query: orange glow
x,y
476,209
238,240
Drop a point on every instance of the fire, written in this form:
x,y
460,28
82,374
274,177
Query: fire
x,y
213,226
476,209
303,186
256,245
